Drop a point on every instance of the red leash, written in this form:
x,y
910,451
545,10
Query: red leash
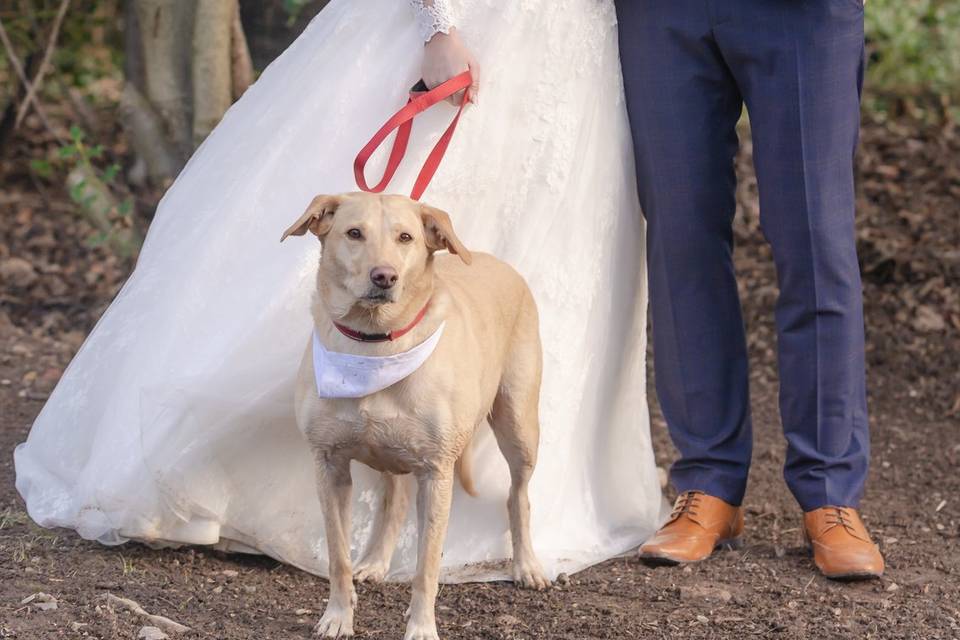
x,y
402,122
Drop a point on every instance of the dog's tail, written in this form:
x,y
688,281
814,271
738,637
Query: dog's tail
x,y
464,469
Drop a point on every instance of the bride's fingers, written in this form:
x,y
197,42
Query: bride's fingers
x,y
465,95
470,93
458,98
473,91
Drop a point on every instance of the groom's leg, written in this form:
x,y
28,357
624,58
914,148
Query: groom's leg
x,y
799,66
684,105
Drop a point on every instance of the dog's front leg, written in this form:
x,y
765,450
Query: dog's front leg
x,y
433,512
334,487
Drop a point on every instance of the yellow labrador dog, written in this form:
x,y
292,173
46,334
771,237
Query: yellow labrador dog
x,y
382,291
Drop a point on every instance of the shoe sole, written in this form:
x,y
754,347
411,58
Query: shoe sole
x,y
852,577
664,560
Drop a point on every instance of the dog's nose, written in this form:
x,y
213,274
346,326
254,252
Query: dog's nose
x,y
383,277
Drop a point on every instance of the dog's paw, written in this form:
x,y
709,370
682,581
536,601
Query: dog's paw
x,y
421,631
529,575
371,570
335,623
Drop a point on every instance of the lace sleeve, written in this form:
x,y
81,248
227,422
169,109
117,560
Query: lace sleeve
x,y
433,16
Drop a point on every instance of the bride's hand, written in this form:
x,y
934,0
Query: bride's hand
x,y
445,56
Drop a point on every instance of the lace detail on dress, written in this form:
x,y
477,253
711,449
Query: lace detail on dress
x,y
433,16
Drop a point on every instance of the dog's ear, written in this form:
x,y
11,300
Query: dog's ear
x,y
318,218
438,231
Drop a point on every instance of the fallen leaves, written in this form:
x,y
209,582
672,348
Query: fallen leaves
x,y
17,273
151,633
928,319
705,593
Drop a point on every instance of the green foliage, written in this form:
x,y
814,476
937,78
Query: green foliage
x,y
89,46
42,167
293,9
914,52
91,194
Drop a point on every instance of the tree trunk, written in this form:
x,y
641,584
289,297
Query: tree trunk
x,y
240,61
147,137
186,62
165,32
212,72
270,28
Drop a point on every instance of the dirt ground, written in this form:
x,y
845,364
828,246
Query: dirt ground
x,y
55,287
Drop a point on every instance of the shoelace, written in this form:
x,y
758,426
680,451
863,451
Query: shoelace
x,y
841,517
686,503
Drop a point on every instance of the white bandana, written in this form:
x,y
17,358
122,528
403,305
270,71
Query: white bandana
x,y
344,375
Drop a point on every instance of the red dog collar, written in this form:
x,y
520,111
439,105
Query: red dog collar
x,y
360,336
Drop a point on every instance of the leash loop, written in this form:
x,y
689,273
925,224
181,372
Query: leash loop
x,y
402,123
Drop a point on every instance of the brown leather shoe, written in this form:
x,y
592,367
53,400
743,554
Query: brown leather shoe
x,y
698,525
842,548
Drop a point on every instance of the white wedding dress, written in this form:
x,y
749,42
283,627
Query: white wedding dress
x,y
174,423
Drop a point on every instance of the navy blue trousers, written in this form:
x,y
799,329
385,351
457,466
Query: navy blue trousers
x,y
689,67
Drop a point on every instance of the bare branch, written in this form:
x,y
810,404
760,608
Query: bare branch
x,y
18,68
166,624
33,87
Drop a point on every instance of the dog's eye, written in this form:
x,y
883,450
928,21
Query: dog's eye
x,y
405,237
356,234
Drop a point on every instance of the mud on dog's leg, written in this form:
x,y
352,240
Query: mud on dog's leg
x,y
376,559
334,488
433,513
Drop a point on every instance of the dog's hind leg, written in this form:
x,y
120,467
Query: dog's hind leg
x,y
376,559
516,423
334,487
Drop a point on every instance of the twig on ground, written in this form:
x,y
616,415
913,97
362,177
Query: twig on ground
x,y
34,86
159,621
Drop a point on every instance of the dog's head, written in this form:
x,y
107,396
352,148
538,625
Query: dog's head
x,y
375,248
